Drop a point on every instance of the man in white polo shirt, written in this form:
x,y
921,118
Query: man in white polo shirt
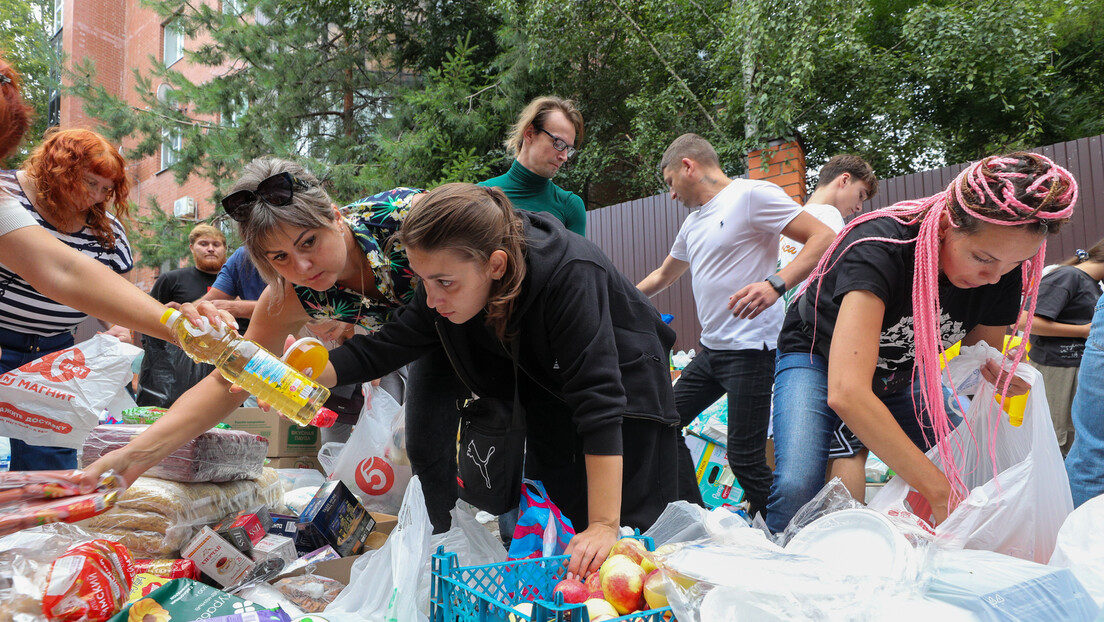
x,y
730,246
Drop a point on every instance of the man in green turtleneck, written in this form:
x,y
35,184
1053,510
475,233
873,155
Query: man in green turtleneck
x,y
542,140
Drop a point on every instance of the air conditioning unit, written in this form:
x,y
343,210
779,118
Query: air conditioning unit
x,y
184,207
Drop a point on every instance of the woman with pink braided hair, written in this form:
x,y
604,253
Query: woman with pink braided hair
x,y
858,363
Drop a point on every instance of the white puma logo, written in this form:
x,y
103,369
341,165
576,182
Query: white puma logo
x,y
473,453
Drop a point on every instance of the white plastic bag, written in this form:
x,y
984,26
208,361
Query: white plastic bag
x,y
373,463
384,584
1080,546
1019,496
56,400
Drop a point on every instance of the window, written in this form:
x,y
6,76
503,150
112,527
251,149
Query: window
x,y
53,106
174,44
171,142
232,7
59,11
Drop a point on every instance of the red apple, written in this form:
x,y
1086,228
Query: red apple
x,y
622,583
629,547
594,583
599,609
655,590
573,591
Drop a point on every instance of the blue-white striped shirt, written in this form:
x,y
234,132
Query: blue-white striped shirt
x,y
22,308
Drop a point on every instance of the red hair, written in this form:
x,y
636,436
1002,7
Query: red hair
x,y
15,116
58,167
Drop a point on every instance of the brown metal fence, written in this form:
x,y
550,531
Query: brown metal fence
x,y
637,235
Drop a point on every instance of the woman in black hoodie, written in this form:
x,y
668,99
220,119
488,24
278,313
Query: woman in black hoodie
x,y
594,382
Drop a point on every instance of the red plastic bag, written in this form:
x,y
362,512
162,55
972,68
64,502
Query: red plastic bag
x,y
90,582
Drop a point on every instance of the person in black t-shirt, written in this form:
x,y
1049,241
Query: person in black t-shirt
x,y
1063,314
861,345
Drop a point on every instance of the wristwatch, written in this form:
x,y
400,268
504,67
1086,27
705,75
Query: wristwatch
x,y
777,283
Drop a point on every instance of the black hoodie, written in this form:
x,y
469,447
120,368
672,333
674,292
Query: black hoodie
x,y
588,336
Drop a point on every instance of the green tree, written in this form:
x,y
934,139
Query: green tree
x,y
25,30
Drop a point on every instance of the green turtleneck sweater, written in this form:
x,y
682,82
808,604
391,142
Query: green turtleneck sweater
x,y
531,192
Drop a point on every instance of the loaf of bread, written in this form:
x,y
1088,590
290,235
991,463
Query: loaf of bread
x,y
217,455
156,517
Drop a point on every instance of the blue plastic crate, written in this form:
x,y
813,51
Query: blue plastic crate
x,y
485,593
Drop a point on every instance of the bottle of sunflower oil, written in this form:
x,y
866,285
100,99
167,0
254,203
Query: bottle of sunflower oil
x,y
254,369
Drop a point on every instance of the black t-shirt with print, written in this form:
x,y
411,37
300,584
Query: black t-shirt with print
x,y
1066,295
886,269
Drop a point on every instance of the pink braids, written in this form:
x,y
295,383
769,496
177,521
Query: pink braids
x,y
1019,189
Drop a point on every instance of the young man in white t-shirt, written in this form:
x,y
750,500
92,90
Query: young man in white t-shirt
x,y
845,183
730,246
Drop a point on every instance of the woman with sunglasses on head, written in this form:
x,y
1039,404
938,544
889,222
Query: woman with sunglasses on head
x,y
320,263
860,349
601,426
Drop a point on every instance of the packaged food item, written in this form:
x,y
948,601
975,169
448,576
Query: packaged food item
x,y
64,510
168,568
143,414
323,554
245,529
284,525
184,600
255,616
218,558
154,518
217,455
89,582
19,486
310,592
256,370
274,546
335,516
144,584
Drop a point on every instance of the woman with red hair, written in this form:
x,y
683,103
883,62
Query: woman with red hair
x,y
72,261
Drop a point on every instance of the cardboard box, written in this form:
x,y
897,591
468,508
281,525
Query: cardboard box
x,y
245,529
296,462
335,517
338,569
285,437
715,479
284,525
272,545
217,558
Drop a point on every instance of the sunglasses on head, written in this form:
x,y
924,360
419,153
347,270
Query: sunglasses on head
x,y
276,190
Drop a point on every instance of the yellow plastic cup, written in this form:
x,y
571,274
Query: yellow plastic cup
x,y
309,356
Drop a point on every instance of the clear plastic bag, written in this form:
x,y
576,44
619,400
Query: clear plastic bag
x,y
216,455
681,521
155,517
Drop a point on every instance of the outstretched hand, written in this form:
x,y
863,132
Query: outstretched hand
x,y
589,548
752,300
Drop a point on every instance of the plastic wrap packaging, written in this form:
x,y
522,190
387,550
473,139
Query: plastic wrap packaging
x,y
20,486
214,456
167,568
88,583
143,414
25,560
309,592
681,521
154,518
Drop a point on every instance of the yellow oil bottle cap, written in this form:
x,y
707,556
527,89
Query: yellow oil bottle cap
x,y
307,355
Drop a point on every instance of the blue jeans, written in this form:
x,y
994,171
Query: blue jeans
x,y
803,427
1085,462
18,350
745,375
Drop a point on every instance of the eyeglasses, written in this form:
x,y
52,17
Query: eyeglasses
x,y
276,190
558,143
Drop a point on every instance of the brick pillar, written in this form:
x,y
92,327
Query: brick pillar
x,y
782,162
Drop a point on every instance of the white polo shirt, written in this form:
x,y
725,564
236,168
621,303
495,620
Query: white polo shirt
x,y
730,242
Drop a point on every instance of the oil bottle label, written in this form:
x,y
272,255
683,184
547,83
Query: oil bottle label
x,y
279,376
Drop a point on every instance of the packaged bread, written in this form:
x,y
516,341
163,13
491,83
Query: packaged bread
x,y
217,455
154,518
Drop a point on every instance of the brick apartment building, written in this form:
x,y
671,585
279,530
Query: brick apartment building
x,y
121,36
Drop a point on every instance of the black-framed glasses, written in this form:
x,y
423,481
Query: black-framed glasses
x,y
276,190
558,143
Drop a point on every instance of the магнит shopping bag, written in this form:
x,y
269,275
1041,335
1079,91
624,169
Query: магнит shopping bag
x,y
373,463
542,530
56,400
1019,493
